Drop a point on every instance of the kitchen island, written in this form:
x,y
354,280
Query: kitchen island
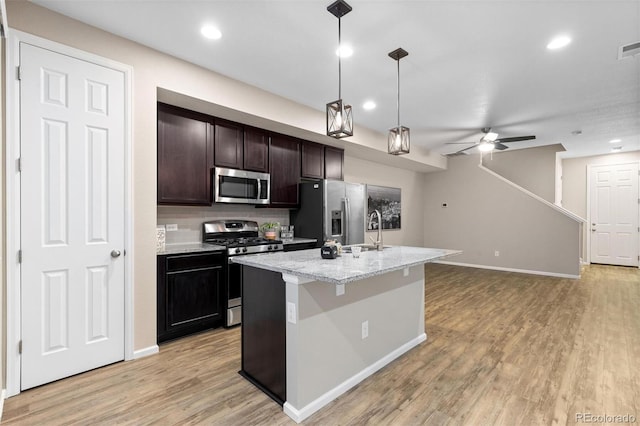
x,y
313,328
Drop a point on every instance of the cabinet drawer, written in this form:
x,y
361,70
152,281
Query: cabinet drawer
x,y
194,261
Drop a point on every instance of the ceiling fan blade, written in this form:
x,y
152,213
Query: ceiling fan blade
x,y
499,146
460,143
464,149
515,139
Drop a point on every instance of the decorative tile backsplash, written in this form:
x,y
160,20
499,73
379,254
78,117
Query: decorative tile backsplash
x,y
189,219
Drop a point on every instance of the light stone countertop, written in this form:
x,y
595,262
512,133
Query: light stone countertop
x,y
344,269
189,248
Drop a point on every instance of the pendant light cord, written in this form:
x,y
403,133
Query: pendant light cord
x,y
339,61
398,92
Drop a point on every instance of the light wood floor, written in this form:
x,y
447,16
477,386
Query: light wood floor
x,y
502,348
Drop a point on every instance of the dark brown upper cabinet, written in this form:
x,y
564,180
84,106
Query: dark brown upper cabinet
x,y
284,166
256,150
333,163
229,145
312,160
185,156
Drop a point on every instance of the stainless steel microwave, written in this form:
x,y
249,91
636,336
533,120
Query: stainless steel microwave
x,y
240,186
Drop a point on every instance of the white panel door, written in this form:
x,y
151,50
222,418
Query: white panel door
x,y
614,214
72,215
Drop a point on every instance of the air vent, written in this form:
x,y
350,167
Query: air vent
x,y
629,50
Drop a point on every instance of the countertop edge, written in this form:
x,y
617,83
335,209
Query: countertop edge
x,y
315,277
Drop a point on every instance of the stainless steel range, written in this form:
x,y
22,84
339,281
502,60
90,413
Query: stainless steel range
x,y
240,237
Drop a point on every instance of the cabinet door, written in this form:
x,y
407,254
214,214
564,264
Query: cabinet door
x,y
284,158
185,154
193,297
333,163
312,160
228,144
190,294
256,150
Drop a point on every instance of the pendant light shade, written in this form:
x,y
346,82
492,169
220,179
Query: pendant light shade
x,y
399,140
339,115
399,136
339,120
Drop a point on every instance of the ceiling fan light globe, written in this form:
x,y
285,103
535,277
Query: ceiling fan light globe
x,y
486,146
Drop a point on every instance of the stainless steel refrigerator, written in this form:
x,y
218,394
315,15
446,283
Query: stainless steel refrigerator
x,y
330,210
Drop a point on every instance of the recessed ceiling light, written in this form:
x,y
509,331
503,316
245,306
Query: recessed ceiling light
x,y
210,32
369,105
344,51
615,141
558,42
616,149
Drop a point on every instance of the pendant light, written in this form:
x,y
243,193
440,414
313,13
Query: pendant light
x,y
339,117
398,141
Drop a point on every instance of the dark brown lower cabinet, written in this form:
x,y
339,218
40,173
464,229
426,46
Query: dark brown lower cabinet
x,y
264,332
189,293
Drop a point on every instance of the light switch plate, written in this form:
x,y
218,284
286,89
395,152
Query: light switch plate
x,y
291,312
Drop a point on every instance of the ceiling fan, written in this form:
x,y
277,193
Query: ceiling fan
x,y
489,142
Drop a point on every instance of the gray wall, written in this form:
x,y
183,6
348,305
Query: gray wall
x,y
327,334
531,168
486,214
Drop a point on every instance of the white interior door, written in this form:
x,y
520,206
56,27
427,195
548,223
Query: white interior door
x,y
72,215
614,214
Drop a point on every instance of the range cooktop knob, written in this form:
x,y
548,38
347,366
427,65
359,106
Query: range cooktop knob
x,y
269,248
238,250
244,249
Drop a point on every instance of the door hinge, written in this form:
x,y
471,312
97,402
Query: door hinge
x,y
19,256
20,347
18,72
19,165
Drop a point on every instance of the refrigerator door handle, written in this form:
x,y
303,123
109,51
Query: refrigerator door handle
x,y
347,213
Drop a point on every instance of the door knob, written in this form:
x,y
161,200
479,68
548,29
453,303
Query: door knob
x,y
593,230
115,253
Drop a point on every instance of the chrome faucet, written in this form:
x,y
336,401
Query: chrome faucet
x,y
378,243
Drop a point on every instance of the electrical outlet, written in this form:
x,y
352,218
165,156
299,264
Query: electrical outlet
x,y
171,227
405,272
291,312
497,253
365,329
339,289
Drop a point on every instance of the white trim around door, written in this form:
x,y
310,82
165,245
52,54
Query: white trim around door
x,y
12,182
587,259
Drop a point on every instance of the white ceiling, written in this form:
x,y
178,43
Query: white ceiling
x,y
471,64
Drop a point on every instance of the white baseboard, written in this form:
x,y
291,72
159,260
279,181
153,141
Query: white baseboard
x,y
301,414
3,395
500,268
141,353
